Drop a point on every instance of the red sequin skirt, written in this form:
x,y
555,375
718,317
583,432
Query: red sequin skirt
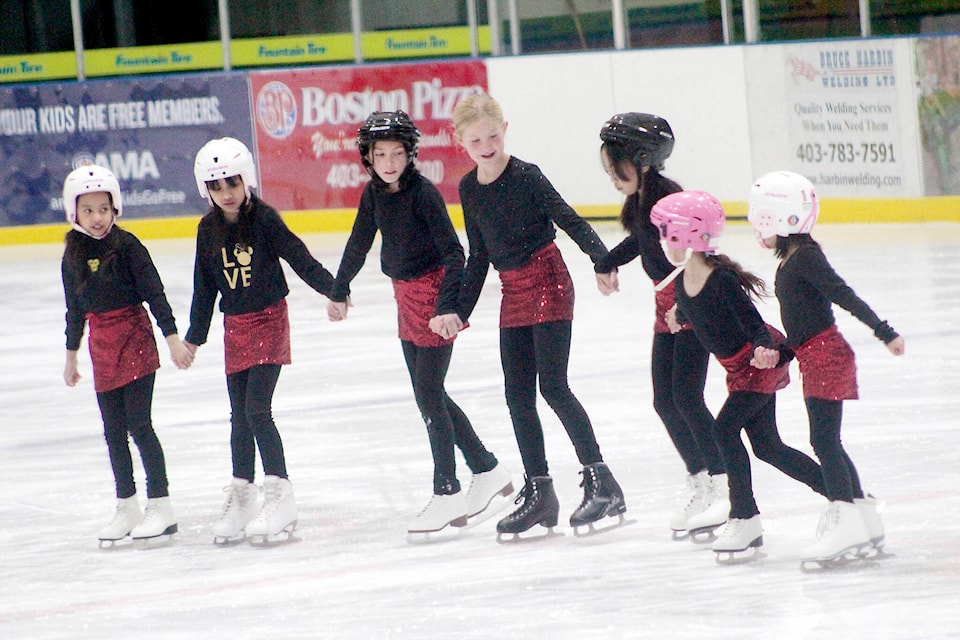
x,y
122,347
741,376
540,291
828,367
260,337
416,305
663,302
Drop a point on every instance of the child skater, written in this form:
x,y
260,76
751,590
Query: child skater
x,y
107,276
633,151
239,246
714,296
424,259
510,209
783,209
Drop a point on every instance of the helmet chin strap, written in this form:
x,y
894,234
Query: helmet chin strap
x,y
88,234
663,284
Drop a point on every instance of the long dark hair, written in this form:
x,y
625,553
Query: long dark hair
x,y
244,221
753,284
652,186
797,240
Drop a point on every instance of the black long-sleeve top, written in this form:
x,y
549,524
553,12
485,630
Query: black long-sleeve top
x,y
112,273
644,238
807,286
722,314
247,274
512,218
417,238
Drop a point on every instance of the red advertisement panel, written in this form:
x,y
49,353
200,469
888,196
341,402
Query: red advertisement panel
x,y
307,121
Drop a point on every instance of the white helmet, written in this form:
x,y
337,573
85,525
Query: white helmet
x,y
782,203
223,158
91,178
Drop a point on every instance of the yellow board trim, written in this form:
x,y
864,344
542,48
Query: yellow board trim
x,y
834,211
34,67
172,58
300,49
418,43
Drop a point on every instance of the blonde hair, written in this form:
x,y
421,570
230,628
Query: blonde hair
x,y
473,108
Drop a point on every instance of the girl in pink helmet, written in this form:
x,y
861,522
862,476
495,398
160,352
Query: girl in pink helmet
x,y
240,243
783,209
714,295
107,276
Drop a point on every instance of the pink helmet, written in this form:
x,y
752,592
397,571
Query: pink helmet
x,y
689,220
782,203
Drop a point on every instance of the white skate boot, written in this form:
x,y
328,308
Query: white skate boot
x,y
842,535
442,510
486,486
278,517
158,524
125,518
870,508
697,486
739,540
239,509
702,526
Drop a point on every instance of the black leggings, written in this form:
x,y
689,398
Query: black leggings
x,y
756,413
543,350
127,411
839,474
251,421
679,368
447,424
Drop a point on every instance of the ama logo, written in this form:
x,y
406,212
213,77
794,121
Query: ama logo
x,y
131,165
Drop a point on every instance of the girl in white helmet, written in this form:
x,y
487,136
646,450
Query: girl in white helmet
x,y
424,259
107,276
239,246
783,209
714,294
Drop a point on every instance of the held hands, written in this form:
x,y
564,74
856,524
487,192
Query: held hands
x,y
180,351
608,283
337,311
765,358
446,326
671,319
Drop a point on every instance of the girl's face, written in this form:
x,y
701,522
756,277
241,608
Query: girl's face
x,y
629,184
228,193
483,141
95,213
389,160
769,243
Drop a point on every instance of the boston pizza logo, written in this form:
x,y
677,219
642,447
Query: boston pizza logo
x,y
276,109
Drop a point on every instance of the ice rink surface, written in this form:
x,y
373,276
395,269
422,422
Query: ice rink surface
x,y
358,457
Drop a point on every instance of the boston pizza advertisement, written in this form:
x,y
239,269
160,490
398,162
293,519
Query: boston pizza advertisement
x,y
306,123
146,130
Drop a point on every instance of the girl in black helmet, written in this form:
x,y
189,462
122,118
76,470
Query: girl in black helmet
x,y
634,149
422,255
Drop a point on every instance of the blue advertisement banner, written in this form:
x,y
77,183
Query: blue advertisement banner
x,y
146,130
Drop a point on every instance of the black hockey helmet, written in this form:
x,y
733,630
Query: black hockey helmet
x,y
647,138
388,125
